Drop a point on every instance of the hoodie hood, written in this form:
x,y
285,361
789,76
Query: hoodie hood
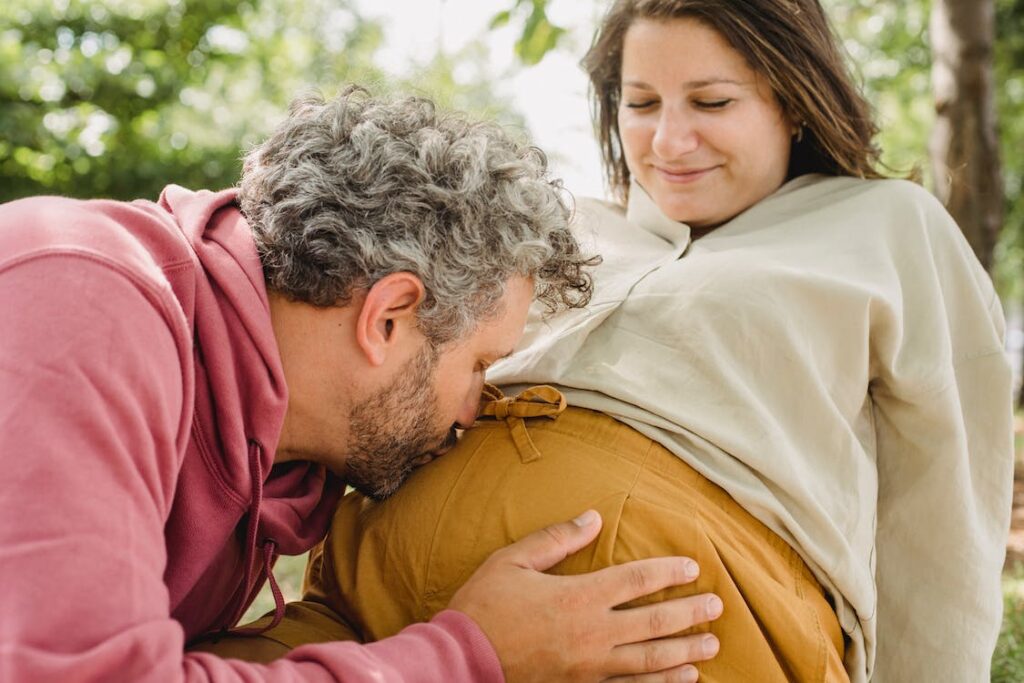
x,y
241,395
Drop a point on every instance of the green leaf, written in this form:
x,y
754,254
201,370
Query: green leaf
x,y
539,36
500,19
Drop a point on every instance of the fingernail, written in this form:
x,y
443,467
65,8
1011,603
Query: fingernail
x,y
586,519
690,570
710,646
714,607
689,674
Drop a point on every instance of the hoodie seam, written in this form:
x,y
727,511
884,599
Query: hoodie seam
x,y
66,251
176,266
205,453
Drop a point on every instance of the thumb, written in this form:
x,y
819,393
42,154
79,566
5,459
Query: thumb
x,y
545,548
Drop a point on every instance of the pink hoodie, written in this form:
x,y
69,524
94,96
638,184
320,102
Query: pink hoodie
x,y
141,399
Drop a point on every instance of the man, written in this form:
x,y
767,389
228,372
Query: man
x,y
186,386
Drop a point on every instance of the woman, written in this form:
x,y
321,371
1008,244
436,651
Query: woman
x,y
791,370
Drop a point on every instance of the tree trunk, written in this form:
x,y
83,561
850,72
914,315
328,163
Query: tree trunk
x,y
965,142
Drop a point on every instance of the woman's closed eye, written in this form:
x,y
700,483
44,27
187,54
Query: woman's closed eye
x,y
641,104
713,104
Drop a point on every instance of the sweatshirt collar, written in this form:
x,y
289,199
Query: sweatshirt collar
x,y
786,200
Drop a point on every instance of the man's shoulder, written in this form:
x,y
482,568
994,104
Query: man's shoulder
x,y
137,238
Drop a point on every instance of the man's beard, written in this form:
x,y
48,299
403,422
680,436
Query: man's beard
x,y
394,431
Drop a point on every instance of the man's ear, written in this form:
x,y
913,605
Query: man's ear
x,y
389,310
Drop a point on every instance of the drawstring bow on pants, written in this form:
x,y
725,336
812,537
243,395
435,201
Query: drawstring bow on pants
x,y
538,401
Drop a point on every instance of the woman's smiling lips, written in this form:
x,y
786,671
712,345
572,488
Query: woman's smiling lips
x,y
683,176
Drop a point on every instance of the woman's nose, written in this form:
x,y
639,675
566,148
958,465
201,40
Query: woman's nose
x,y
675,136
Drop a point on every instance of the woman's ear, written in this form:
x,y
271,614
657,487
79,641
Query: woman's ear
x,y
388,313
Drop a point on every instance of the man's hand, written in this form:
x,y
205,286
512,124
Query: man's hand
x,y
564,628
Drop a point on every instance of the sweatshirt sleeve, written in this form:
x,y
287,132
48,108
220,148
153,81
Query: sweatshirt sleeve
x,y
944,431
92,420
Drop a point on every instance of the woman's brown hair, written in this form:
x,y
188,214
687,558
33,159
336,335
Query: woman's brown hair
x,y
788,42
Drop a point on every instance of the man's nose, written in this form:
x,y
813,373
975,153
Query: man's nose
x,y
470,407
467,416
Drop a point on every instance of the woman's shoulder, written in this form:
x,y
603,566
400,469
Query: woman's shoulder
x,y
847,187
874,193
882,203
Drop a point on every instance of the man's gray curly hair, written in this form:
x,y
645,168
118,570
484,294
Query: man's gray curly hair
x,y
353,189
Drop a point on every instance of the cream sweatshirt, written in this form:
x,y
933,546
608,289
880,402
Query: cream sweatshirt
x,y
833,358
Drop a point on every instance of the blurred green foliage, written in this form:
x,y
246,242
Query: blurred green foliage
x,y
1009,268
120,98
887,47
1008,659
538,36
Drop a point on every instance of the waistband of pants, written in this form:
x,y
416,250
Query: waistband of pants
x,y
544,408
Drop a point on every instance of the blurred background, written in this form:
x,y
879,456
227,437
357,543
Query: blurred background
x,y
118,98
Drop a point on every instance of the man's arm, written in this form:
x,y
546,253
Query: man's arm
x,y
91,396
91,421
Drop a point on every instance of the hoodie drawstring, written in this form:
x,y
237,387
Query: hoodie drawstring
x,y
269,545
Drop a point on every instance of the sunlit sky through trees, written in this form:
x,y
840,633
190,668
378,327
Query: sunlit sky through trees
x,y
552,96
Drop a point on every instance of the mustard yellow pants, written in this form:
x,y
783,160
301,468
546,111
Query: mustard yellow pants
x,y
531,462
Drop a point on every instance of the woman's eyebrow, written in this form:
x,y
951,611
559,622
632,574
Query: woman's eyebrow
x,y
688,84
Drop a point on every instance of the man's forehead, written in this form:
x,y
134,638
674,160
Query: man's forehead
x,y
496,345
497,335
